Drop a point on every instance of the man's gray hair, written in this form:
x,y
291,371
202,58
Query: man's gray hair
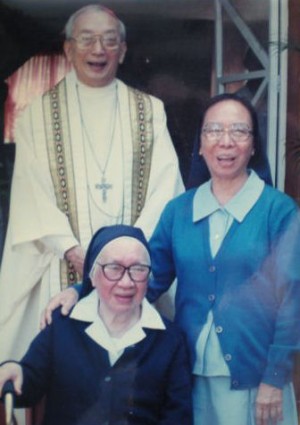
x,y
68,30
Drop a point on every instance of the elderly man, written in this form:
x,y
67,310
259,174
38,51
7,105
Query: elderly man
x,y
90,152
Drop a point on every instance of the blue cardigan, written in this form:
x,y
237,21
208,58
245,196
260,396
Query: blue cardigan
x,y
252,285
150,383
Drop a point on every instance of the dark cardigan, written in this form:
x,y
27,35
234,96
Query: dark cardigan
x,y
149,384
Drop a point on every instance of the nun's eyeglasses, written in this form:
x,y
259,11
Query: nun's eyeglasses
x,y
238,132
115,272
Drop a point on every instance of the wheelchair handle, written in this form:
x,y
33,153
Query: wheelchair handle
x,y
8,393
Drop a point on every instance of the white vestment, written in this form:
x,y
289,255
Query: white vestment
x,y
39,232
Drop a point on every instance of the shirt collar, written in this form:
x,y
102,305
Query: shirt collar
x,y
238,206
87,310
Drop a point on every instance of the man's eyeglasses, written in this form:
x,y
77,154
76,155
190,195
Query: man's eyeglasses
x,y
108,41
238,132
115,272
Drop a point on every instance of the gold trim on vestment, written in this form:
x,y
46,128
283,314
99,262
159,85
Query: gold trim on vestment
x,y
58,140
59,149
142,143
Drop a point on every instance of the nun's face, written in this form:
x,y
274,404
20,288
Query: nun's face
x,y
121,294
227,152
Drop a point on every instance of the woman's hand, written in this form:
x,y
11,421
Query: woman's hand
x,y
66,299
11,371
268,405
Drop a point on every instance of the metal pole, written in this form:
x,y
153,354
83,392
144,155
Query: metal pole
x,y
273,92
218,47
283,65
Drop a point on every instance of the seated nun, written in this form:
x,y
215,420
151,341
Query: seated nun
x,y
113,359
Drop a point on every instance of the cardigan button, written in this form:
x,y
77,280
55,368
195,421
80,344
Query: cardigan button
x,y
227,357
211,297
212,269
219,329
107,379
235,383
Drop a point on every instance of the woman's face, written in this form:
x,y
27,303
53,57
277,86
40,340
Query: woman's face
x,y
123,295
226,139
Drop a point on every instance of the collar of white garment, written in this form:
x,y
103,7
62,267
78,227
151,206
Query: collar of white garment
x,y
93,91
87,310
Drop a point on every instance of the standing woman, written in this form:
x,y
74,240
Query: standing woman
x,y
233,244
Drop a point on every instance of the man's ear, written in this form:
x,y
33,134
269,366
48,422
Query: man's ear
x,y
68,50
123,50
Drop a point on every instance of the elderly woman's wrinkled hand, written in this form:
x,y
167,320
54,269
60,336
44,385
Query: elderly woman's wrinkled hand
x,y
11,371
66,299
268,405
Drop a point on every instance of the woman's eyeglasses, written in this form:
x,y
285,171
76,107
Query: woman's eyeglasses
x,y
238,132
115,272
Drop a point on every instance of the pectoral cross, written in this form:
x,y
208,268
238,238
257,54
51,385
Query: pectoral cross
x,y
104,187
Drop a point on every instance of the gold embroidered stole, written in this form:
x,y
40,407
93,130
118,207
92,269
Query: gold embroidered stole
x,y
58,142
142,142
57,129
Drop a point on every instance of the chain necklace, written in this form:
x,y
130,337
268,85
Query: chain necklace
x,y
104,186
117,216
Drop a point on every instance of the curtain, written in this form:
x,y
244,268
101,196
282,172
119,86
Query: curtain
x,y
33,78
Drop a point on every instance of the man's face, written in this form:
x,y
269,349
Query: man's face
x,y
95,64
